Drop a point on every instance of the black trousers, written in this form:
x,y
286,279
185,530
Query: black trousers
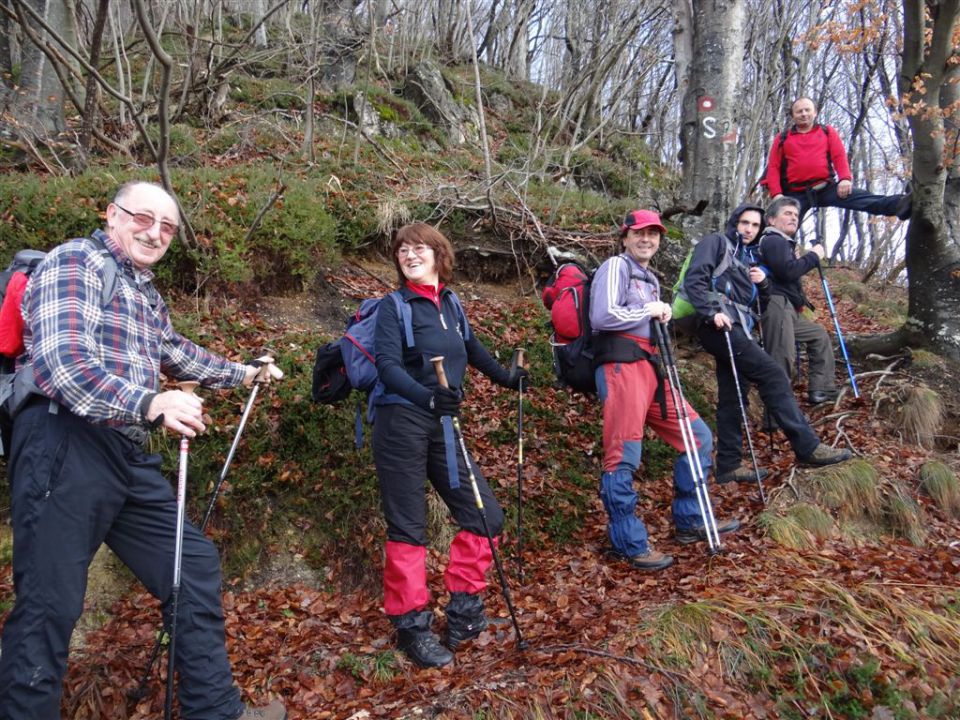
x,y
756,367
73,486
409,447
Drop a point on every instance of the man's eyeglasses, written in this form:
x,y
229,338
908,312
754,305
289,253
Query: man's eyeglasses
x,y
145,221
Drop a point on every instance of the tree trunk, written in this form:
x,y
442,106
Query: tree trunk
x,y
42,96
92,96
932,255
6,46
713,38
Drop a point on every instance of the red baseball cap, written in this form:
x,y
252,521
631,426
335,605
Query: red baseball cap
x,y
637,219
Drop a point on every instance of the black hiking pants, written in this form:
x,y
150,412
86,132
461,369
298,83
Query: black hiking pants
x,y
74,486
755,367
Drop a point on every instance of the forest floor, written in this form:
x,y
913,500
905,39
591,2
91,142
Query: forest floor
x,y
858,625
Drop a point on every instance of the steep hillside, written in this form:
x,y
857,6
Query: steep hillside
x,y
839,599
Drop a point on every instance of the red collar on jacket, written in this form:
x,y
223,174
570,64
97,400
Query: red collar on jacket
x,y
428,291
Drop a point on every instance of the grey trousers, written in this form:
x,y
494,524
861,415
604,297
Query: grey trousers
x,y
783,328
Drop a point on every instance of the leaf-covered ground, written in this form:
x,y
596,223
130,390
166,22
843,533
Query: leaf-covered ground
x,y
858,626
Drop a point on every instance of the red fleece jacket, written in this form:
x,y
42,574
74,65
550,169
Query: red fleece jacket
x,y
808,157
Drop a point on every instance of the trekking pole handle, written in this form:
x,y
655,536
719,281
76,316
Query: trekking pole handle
x,y
441,373
664,337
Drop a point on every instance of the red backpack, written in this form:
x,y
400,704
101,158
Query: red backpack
x,y
567,296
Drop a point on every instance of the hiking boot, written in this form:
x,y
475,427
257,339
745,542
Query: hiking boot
x,y
685,537
415,639
823,454
650,560
273,711
739,475
465,618
821,396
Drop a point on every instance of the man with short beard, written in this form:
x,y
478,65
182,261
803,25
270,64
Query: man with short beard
x,y
724,321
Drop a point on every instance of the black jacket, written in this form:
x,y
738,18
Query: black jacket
x,y
698,283
408,372
778,253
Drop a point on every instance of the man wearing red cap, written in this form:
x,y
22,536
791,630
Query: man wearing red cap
x,y
624,299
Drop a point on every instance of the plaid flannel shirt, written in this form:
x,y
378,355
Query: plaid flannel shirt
x,y
103,362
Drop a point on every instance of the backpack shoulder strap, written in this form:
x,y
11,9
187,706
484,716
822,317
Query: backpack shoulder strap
x,y
111,270
464,325
404,315
726,261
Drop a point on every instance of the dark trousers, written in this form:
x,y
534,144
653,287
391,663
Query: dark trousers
x,y
857,200
408,447
74,486
783,328
755,367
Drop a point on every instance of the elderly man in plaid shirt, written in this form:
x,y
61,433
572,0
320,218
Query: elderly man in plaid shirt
x,y
79,471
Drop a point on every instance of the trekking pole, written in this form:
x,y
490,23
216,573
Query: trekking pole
x,y
743,414
518,363
442,379
767,418
689,441
141,690
187,387
258,380
836,320
836,327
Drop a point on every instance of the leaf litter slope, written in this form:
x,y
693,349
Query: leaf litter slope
x,y
756,631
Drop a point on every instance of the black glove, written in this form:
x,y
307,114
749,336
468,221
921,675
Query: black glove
x,y
516,375
446,402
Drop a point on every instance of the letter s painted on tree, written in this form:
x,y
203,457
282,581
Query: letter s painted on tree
x,y
709,124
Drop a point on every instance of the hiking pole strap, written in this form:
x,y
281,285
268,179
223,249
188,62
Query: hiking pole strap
x,y
450,425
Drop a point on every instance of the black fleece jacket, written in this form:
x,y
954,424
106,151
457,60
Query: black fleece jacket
x,y
734,283
778,253
408,372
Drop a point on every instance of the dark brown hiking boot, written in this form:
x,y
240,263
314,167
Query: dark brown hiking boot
x,y
823,454
651,560
273,711
685,537
740,475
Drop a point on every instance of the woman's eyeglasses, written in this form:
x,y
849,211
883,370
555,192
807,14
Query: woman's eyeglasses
x,y
145,221
406,250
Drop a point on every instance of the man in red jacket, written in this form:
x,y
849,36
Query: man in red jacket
x,y
809,163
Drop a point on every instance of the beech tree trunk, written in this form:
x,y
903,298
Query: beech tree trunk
x,y
709,51
933,253
41,97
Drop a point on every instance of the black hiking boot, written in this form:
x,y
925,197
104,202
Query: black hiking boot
x,y
685,537
465,618
416,640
